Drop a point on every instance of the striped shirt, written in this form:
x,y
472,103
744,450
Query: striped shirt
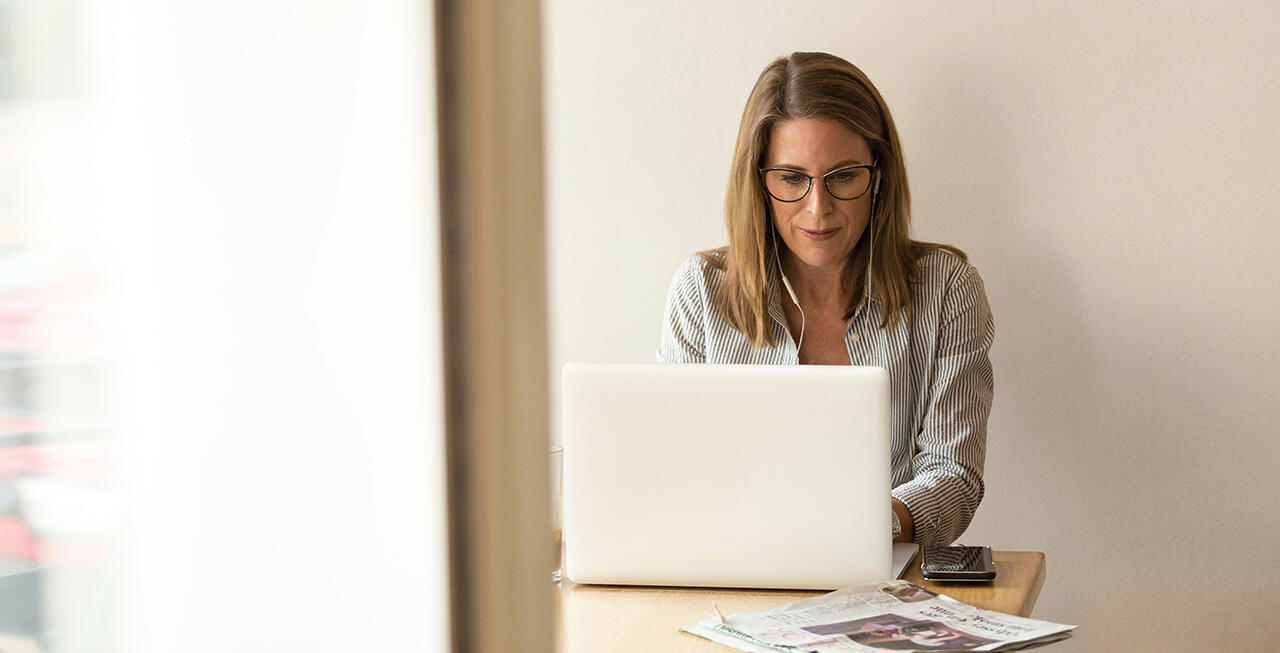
x,y
939,371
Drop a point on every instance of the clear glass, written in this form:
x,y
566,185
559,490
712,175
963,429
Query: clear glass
x,y
787,185
557,524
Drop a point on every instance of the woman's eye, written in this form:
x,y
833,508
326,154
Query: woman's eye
x,y
845,176
793,178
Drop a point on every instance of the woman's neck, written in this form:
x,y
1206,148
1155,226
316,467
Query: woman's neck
x,y
817,286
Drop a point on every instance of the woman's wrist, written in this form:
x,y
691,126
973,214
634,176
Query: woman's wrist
x,y
902,517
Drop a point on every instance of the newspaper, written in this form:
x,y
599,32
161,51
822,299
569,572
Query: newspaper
x,y
887,615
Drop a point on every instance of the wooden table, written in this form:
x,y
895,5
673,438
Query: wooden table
x,y
606,618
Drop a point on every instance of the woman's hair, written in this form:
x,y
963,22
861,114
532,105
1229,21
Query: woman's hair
x,y
814,85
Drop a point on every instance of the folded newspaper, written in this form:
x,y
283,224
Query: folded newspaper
x,y
888,615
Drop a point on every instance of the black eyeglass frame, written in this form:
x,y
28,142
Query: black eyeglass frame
x,y
871,170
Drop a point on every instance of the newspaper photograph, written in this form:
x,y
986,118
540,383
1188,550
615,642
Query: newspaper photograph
x,y
882,616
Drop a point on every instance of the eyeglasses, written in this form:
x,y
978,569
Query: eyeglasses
x,y
787,185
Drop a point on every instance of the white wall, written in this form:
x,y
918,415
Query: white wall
x,y
1110,168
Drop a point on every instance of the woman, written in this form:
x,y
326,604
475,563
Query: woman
x,y
820,270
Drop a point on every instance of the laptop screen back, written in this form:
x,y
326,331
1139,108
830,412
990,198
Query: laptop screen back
x,y
726,475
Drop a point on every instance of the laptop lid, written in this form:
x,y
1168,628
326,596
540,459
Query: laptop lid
x,y
726,475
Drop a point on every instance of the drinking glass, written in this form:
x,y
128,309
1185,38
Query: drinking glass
x,y
557,525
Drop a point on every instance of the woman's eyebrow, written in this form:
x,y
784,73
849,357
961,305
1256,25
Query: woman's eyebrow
x,y
846,163
843,164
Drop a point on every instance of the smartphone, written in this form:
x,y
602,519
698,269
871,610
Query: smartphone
x,y
957,563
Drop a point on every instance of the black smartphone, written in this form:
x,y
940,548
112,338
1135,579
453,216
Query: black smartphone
x,y
957,563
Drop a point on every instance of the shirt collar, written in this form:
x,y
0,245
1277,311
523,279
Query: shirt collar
x,y
775,295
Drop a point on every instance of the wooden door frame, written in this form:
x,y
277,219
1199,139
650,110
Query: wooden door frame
x,y
495,322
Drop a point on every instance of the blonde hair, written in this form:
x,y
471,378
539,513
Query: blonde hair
x,y
814,85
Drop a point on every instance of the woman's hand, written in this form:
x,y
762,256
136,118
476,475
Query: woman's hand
x,y
904,518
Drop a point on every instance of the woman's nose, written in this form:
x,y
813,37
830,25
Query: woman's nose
x,y
819,200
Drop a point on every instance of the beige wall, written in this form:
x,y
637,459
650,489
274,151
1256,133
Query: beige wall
x,y
1112,170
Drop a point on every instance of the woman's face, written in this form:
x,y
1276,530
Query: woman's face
x,y
819,230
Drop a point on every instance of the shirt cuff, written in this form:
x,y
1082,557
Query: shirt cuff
x,y
926,514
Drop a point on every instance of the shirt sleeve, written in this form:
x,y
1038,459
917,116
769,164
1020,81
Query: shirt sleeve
x,y
951,447
683,321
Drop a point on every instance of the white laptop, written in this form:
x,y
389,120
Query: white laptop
x,y
727,475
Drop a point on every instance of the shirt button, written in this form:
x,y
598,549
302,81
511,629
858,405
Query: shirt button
x,y
853,337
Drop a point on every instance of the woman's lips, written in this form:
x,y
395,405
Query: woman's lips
x,y
824,234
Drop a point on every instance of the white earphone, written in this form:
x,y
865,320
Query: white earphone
x,y
871,225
